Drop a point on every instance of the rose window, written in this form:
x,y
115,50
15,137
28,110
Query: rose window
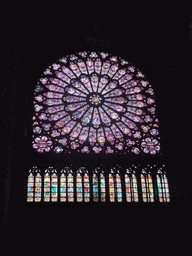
x,y
94,103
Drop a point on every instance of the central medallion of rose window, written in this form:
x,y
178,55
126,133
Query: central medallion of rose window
x,y
95,99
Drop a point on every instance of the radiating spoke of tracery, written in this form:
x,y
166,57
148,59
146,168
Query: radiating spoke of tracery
x,y
94,103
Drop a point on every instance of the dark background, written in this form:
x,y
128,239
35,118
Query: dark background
x,y
156,40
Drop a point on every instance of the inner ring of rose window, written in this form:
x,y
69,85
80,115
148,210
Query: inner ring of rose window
x,y
95,99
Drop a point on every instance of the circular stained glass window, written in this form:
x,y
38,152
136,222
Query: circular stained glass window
x,y
94,103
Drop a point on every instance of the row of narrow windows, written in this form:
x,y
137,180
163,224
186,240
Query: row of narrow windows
x,y
81,187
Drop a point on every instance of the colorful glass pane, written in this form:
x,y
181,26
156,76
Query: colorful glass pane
x,y
70,191
143,185
79,188
147,187
54,187
92,99
150,189
30,187
38,187
46,187
166,188
86,188
134,188
63,188
118,188
163,189
95,188
102,188
127,188
111,188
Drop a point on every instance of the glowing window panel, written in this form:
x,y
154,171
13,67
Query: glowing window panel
x,y
118,188
150,188
47,187
96,99
147,187
166,188
102,187
63,188
95,188
143,188
134,188
30,188
79,188
111,188
38,187
163,189
70,189
54,187
127,188
86,188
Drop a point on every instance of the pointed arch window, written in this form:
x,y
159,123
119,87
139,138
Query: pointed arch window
x,y
118,188
47,186
147,186
95,187
31,184
54,186
63,194
70,186
50,185
102,187
34,184
30,187
131,186
163,189
86,187
38,181
79,186
111,188
115,189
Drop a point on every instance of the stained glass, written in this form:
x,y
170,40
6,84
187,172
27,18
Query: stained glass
x,y
38,187
131,186
63,187
111,188
95,188
147,187
102,187
54,187
79,188
135,191
118,187
127,188
70,191
30,187
93,103
47,187
163,189
86,188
